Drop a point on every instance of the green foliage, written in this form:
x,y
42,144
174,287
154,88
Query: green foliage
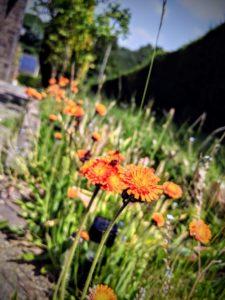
x,y
74,29
68,34
34,32
31,81
145,260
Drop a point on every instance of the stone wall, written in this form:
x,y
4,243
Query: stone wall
x,y
11,17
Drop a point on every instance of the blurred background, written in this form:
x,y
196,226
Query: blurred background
x,y
115,41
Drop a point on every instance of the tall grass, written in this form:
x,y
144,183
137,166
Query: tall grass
x,y
145,262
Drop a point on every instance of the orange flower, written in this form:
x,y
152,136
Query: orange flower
x,y
58,135
173,190
72,192
74,87
114,183
33,93
141,183
83,154
97,171
96,136
53,117
52,81
63,81
158,219
72,109
100,109
115,155
102,292
104,172
78,112
200,231
55,91
84,235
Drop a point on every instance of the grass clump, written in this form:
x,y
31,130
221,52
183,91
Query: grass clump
x,y
156,253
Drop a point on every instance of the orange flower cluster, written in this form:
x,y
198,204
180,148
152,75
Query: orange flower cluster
x,y
33,93
172,190
73,109
100,171
200,231
102,292
158,219
100,109
55,91
63,81
135,182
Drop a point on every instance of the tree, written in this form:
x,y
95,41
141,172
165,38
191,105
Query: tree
x,y
68,36
72,32
111,24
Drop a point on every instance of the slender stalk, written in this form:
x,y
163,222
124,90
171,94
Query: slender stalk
x,y
199,277
154,53
61,284
103,67
100,248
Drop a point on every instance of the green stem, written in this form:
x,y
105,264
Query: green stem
x,y
154,53
61,284
100,248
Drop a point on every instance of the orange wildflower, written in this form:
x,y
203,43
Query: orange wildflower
x,y
74,87
53,117
102,292
96,136
104,172
63,81
200,231
72,109
55,91
172,190
84,235
97,171
114,183
100,109
33,93
52,81
158,219
58,135
72,192
83,154
141,183
115,155
78,112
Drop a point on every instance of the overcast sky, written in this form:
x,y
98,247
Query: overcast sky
x,y
185,20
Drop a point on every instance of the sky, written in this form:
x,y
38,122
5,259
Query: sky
x,y
184,21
